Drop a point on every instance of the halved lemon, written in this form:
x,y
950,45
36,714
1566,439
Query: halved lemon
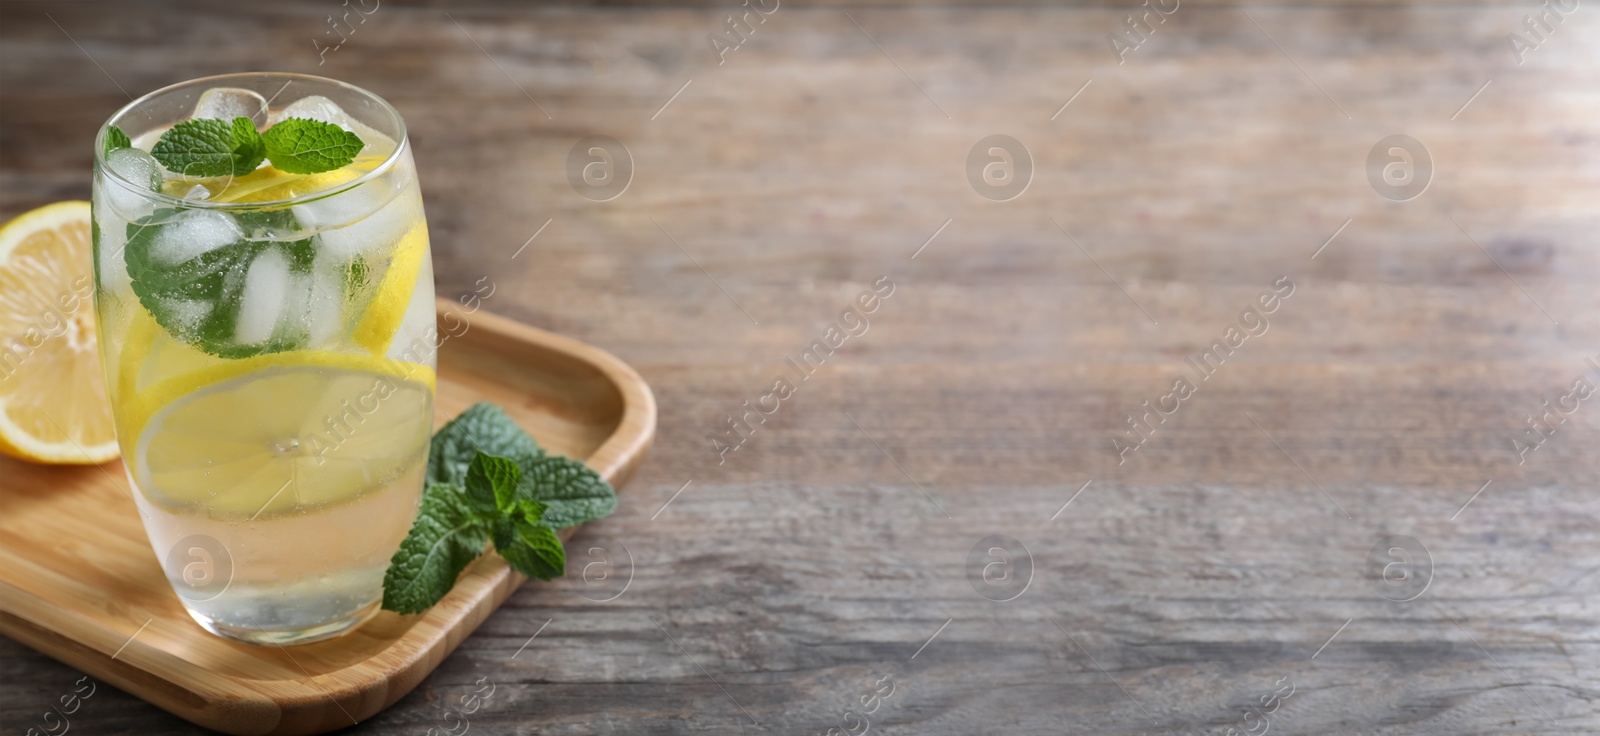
x,y
53,404
288,433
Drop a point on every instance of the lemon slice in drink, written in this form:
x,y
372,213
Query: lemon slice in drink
x,y
267,184
149,353
53,405
384,313
312,430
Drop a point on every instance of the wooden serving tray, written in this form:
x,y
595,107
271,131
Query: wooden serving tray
x,y
79,581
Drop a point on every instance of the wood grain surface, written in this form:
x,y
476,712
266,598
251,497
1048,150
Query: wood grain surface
x,y
832,555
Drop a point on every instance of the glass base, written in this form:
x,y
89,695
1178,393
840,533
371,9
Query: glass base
x,y
287,637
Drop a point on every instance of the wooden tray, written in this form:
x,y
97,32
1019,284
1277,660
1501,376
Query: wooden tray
x,y
79,582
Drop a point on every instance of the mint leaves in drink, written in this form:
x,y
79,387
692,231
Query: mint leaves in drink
x,y
217,281
192,270
302,146
206,147
489,481
249,150
116,139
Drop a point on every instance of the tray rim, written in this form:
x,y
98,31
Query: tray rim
x,y
361,689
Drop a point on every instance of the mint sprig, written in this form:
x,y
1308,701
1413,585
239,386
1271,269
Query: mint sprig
x,y
248,149
571,492
489,481
206,147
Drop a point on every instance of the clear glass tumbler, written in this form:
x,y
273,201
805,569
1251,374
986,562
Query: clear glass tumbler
x,y
264,341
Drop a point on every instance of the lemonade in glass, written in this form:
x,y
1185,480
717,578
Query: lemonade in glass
x,y
266,340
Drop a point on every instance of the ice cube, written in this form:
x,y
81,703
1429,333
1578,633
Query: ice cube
x,y
132,176
317,107
227,103
188,313
113,233
198,192
325,312
299,297
266,288
362,219
146,141
136,167
192,234
113,239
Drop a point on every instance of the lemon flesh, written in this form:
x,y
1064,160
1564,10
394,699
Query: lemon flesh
x,y
53,405
284,439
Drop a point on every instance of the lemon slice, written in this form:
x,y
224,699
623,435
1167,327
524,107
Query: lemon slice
x,y
387,310
150,354
267,184
53,405
284,438
136,409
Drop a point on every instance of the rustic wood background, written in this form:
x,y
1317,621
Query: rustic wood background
x,y
1225,559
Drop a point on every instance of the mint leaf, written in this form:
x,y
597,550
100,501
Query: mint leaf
x,y
302,146
485,428
357,275
574,493
206,147
533,511
198,148
198,300
532,549
116,139
444,539
248,149
570,491
492,484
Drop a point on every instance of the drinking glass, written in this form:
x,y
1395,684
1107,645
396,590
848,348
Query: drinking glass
x,y
267,343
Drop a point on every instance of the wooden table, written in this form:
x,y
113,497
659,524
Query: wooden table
x,y
843,548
